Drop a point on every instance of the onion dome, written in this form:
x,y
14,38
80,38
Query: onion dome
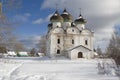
x,y
56,17
80,20
66,16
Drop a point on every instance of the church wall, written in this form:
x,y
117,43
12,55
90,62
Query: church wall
x,y
73,31
62,36
61,45
77,40
56,24
54,46
66,24
68,41
80,26
89,41
73,54
48,47
92,40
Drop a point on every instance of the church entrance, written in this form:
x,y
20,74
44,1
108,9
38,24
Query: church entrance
x,y
80,55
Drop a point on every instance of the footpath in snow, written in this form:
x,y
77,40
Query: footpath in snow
x,y
81,69
7,67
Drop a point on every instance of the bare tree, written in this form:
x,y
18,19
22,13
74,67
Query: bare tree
x,y
11,4
19,47
113,49
42,44
7,38
99,51
33,52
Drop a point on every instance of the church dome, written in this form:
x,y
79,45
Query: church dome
x,y
66,16
56,17
80,20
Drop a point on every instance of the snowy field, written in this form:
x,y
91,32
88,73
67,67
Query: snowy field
x,y
37,69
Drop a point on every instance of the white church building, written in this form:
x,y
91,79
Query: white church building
x,y
68,37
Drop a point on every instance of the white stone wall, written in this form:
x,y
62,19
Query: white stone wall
x,y
48,47
73,54
55,24
82,40
66,24
80,26
77,40
54,45
66,39
72,30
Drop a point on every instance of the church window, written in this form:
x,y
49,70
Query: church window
x,y
72,30
58,41
86,42
58,51
72,41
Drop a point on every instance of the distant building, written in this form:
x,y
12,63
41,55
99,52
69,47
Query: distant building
x,y
22,54
69,38
11,53
40,54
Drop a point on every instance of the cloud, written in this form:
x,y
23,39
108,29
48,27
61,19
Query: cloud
x,y
101,16
22,17
38,21
42,20
27,14
30,41
48,17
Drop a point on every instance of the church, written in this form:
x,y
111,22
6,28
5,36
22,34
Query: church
x,y
69,38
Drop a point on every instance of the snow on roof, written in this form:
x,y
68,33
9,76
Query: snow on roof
x,y
55,14
23,53
77,47
40,54
12,53
95,53
65,13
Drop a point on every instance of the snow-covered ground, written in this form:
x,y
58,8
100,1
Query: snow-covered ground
x,y
36,69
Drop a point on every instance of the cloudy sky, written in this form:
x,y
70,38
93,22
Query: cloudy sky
x,y
101,15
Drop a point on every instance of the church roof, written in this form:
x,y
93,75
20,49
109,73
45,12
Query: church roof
x,y
56,17
80,20
78,47
66,16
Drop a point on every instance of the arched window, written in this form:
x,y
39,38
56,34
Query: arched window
x,y
86,42
80,55
58,41
72,30
58,51
72,41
